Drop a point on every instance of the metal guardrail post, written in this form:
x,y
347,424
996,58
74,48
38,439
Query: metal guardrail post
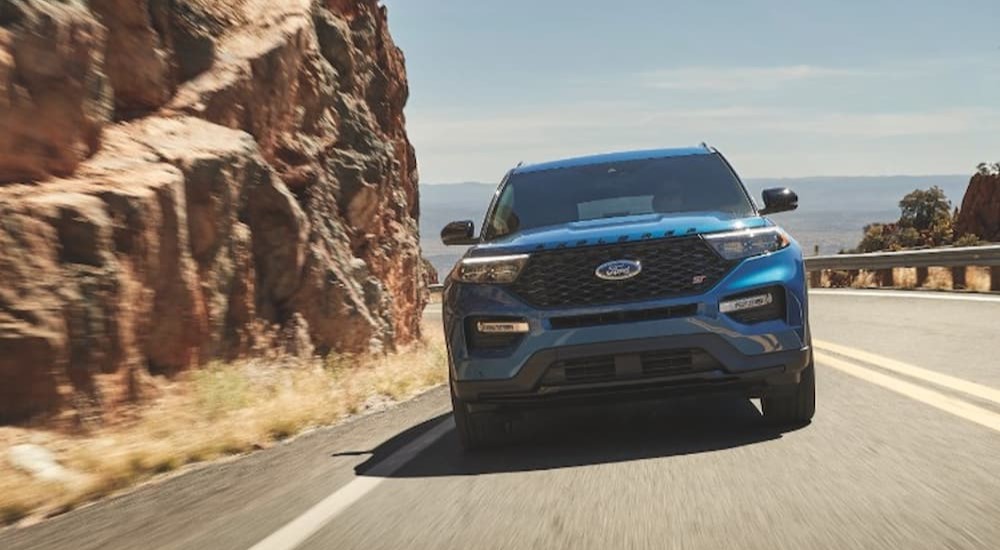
x,y
816,278
958,277
885,277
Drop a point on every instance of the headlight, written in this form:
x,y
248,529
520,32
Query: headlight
x,y
737,245
490,269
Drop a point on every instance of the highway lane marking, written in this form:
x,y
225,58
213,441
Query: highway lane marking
x,y
301,528
919,294
945,381
930,397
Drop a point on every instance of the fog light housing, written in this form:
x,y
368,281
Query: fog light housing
x,y
502,327
495,332
764,304
749,302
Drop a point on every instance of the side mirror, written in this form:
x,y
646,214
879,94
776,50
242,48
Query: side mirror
x,y
459,233
779,199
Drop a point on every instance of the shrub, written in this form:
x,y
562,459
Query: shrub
x,y
969,239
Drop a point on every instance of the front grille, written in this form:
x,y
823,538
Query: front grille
x,y
670,267
669,363
619,317
630,366
591,369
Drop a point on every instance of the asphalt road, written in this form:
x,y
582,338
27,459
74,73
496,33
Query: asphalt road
x,y
904,452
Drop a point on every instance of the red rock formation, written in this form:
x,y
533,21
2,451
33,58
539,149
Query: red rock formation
x,y
139,64
54,97
268,182
980,211
431,276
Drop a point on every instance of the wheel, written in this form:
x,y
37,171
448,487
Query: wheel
x,y
796,407
476,430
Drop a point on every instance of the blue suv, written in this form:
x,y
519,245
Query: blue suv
x,y
635,275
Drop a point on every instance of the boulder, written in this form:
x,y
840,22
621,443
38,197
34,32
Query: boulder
x,y
54,95
38,462
980,211
138,63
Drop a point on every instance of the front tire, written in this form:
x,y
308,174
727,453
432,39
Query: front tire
x,y
795,408
475,430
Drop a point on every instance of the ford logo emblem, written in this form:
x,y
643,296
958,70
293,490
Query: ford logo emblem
x,y
618,270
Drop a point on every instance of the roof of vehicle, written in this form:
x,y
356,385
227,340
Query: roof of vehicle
x,y
614,157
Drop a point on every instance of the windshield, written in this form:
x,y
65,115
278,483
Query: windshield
x,y
673,185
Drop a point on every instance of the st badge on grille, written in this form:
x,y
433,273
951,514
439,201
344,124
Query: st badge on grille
x,y
618,270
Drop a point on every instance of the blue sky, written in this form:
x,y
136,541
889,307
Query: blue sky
x,y
783,88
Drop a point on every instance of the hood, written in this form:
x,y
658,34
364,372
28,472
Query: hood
x,y
612,230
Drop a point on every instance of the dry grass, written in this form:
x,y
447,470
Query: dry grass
x,y
222,410
904,277
865,279
938,278
977,278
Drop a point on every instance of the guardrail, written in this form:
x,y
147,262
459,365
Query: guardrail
x,y
884,262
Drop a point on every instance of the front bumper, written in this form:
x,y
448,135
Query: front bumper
x,y
759,375
753,359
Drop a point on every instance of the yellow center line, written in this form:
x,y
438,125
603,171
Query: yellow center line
x,y
943,380
933,398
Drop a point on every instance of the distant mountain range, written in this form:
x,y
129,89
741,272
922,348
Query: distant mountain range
x,y
832,210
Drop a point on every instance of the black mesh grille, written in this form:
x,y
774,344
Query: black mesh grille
x,y
625,367
592,369
670,267
620,317
672,363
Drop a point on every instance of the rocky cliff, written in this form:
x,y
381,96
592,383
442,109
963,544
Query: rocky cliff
x,y
185,180
980,211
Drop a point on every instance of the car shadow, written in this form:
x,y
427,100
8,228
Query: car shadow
x,y
567,438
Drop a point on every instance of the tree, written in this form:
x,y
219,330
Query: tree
x,y
925,219
988,169
923,209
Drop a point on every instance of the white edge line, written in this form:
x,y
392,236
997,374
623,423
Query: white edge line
x,y
919,294
297,531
